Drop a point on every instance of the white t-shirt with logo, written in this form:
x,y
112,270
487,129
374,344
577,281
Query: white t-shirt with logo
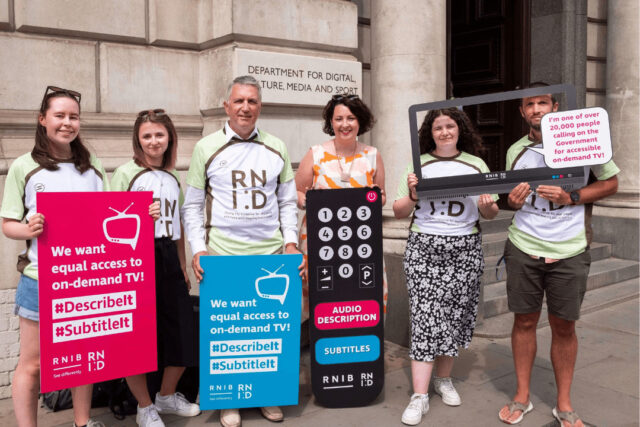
x,y
249,194
540,227
26,178
448,216
166,189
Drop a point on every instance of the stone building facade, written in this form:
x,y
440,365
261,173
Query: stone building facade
x,y
128,55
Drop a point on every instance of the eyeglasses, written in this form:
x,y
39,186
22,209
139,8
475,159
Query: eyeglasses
x,y
156,112
339,98
54,89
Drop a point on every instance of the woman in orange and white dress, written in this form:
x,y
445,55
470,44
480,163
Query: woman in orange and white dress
x,y
341,162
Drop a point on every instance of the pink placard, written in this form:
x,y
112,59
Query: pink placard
x,y
347,314
96,284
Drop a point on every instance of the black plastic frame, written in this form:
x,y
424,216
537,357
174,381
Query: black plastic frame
x,y
494,181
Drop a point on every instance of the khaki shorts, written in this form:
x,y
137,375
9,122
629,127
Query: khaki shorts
x,y
563,281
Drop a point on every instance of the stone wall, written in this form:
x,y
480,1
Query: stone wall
x,y
128,55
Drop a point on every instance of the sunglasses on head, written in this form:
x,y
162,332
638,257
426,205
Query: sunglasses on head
x,y
54,89
155,112
339,98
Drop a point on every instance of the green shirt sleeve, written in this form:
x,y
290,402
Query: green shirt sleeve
x,y
97,164
119,180
12,205
403,188
196,175
605,171
287,171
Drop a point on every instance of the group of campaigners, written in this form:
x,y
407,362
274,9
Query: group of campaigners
x,y
242,198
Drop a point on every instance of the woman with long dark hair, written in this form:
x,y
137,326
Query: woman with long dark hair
x,y
59,162
443,261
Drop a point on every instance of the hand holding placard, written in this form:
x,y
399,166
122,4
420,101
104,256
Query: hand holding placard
x,y
575,138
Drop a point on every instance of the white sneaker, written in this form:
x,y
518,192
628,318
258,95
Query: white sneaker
x,y
444,387
148,417
92,423
418,406
230,418
177,404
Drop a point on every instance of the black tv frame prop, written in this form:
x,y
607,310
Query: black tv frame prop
x,y
354,383
493,182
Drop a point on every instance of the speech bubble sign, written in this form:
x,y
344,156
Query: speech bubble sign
x,y
575,138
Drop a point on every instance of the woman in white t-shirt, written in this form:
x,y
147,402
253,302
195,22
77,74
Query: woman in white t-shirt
x,y
155,147
443,261
59,162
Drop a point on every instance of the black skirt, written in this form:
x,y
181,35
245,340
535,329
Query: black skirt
x,y
177,332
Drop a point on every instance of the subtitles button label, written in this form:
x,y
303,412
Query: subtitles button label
x,y
364,348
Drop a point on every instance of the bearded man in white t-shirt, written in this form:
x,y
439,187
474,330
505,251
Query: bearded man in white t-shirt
x,y
547,253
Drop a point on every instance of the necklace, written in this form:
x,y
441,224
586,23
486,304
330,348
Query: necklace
x,y
345,176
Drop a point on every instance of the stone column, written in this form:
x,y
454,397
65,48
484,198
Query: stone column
x,y
408,66
623,71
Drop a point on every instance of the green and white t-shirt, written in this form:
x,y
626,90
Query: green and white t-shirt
x,y
249,194
540,227
26,178
452,216
166,189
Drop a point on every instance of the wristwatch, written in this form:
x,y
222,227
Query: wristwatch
x,y
575,197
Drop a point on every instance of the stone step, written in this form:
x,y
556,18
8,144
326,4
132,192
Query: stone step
x,y
602,273
599,251
594,300
497,225
493,244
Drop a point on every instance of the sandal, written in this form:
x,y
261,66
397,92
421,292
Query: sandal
x,y
517,406
561,416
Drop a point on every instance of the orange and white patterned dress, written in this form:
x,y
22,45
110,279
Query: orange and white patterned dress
x,y
326,175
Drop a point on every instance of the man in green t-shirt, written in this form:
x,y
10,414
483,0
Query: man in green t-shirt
x,y
547,253
241,195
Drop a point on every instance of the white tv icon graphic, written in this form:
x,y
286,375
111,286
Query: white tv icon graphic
x,y
271,277
133,241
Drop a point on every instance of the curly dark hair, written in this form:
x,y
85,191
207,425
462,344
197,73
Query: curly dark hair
x,y
41,152
355,105
468,140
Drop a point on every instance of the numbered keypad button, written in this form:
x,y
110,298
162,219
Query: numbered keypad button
x,y
363,213
345,251
364,251
345,271
325,234
364,232
344,214
326,253
325,214
344,233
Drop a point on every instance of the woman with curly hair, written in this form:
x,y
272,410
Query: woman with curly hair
x,y
340,162
443,261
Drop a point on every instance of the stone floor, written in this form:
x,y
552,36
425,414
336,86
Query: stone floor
x,y
605,388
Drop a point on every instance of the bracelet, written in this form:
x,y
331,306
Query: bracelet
x,y
412,199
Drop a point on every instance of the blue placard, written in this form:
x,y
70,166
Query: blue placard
x,y
249,331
